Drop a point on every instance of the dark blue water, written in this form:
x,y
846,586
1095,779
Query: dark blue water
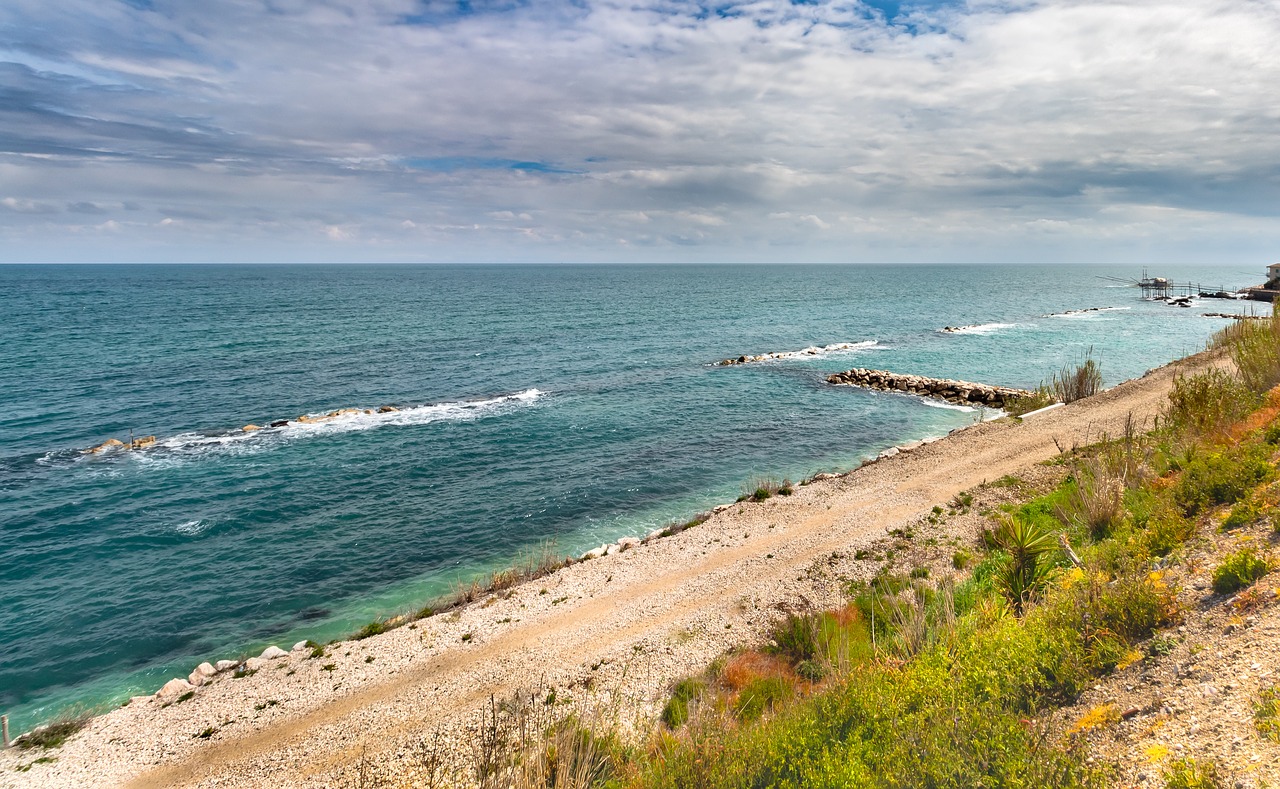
x,y
570,404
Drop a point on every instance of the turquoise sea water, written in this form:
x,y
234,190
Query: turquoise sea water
x,y
574,404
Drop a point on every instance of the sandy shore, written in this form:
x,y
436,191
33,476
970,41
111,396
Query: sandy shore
x,y
615,630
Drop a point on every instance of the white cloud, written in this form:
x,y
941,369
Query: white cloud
x,y
997,124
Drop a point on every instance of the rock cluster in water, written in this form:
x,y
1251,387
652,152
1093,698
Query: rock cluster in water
x,y
147,442
959,392
812,350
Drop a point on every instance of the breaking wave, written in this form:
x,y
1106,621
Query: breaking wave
x,y
253,438
812,352
982,328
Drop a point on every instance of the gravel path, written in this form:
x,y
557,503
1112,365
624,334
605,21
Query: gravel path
x,y
616,630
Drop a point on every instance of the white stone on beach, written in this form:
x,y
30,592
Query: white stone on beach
x,y
653,535
888,453
301,645
594,553
226,665
254,663
627,543
273,652
173,689
201,674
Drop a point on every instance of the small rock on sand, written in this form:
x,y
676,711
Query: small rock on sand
x,y
273,652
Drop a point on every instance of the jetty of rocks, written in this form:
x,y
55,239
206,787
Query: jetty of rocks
x,y
959,392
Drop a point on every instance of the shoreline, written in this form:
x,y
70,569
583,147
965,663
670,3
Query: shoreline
x,y
607,618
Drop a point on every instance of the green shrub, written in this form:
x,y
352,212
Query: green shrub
x,y
376,627
676,711
810,670
1084,380
1221,478
1040,398
1254,346
55,733
761,695
1192,774
1242,514
961,559
1238,570
1165,530
1207,403
1266,713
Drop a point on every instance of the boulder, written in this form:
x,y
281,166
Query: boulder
x,y
197,679
888,453
173,689
280,423
388,409
143,443
627,543
110,443
205,669
254,664
273,652
249,428
226,665
301,645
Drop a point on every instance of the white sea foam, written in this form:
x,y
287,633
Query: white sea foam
x,y
982,328
327,423
935,403
1085,313
812,352
191,528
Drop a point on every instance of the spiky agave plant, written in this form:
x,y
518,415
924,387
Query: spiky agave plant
x,y
1028,545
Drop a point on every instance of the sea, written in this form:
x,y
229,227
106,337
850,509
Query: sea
x,y
539,407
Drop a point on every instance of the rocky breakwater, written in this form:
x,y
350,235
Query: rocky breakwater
x,y
958,392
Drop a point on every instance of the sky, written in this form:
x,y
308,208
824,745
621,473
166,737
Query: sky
x,y
642,131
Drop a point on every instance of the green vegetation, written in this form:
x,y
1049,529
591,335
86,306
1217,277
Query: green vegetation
x,y
1041,398
1238,571
374,628
763,488
1072,384
54,734
1192,774
1266,713
676,711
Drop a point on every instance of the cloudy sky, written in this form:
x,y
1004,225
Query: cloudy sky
x,y
650,130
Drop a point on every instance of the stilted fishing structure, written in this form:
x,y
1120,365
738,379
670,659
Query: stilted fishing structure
x,y
1158,288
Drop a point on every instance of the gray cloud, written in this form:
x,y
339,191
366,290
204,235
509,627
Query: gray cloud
x,y
400,129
